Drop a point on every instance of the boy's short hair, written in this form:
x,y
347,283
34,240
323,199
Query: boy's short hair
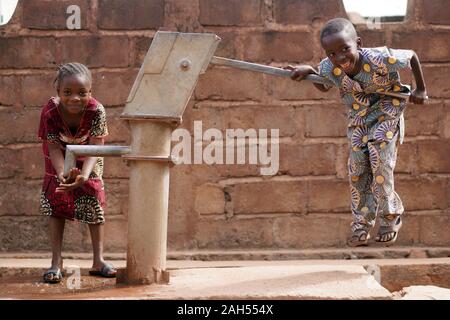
x,y
337,25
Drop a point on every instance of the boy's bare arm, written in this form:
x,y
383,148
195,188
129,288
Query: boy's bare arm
x,y
419,94
301,71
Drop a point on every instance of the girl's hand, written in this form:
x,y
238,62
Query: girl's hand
x,y
61,178
418,96
73,173
298,73
66,187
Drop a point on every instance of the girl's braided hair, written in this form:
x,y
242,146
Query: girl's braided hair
x,y
69,69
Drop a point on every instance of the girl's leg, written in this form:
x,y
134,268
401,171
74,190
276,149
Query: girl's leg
x,y
56,238
97,232
56,229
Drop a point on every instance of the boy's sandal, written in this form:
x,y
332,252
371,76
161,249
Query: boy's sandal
x,y
107,271
53,276
388,231
359,237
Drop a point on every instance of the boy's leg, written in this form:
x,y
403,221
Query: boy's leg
x,y
383,155
99,264
363,203
56,230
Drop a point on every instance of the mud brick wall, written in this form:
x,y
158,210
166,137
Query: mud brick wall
x,y
306,205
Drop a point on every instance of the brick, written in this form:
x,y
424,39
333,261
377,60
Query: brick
x,y
372,38
141,44
325,121
445,128
9,166
96,51
435,12
417,280
183,218
25,128
115,234
230,13
118,129
433,156
11,92
27,52
74,232
407,158
37,89
328,196
234,233
307,11
314,159
342,161
436,81
116,197
24,234
130,15
242,117
429,46
182,16
51,15
409,234
20,234
214,173
19,197
228,44
434,229
228,84
32,162
113,88
422,193
311,231
209,199
278,46
116,167
287,89
423,119
269,197
246,160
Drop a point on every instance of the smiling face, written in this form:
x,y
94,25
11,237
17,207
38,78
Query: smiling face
x,y
342,49
74,92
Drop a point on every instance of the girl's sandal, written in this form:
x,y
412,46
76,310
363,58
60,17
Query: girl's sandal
x,y
359,237
388,231
107,271
53,276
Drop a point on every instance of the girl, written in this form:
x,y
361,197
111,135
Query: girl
x,y
74,117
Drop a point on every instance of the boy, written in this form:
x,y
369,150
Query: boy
x,y
375,122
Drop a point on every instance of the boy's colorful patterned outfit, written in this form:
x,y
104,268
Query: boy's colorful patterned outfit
x,y
86,203
375,126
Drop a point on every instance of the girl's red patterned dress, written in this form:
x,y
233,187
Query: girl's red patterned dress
x,y
86,203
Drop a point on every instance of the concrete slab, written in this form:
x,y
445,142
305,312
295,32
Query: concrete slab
x,y
190,279
255,282
274,282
